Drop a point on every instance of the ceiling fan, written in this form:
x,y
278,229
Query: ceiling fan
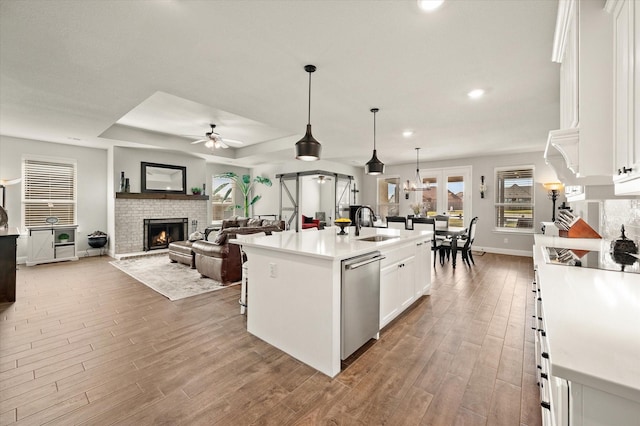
x,y
213,140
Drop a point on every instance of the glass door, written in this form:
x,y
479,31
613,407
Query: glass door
x,y
444,193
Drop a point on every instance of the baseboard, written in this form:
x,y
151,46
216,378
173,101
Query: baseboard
x,y
524,253
91,252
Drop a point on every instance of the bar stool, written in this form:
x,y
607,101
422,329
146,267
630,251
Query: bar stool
x,y
245,270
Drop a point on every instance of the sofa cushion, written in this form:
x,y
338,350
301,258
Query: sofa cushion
x,y
275,222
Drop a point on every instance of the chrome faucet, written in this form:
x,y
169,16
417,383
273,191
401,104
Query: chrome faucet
x,y
373,217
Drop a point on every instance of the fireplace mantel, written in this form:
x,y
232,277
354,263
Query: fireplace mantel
x,y
152,196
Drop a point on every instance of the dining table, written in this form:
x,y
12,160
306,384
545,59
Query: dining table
x,y
454,232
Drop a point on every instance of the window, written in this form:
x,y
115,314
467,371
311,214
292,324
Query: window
x,y
223,198
388,197
514,198
49,190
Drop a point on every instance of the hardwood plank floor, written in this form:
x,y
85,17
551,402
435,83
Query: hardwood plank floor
x,y
86,344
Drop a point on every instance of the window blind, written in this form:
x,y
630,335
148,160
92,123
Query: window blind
x,y
514,200
49,190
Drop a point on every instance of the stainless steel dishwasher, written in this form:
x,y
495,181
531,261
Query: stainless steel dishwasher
x,y
360,306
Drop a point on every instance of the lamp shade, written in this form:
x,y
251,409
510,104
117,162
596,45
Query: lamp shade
x,y
374,166
308,148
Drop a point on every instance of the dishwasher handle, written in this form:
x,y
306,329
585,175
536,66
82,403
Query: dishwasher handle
x,y
364,262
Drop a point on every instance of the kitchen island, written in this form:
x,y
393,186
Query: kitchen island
x,y
294,292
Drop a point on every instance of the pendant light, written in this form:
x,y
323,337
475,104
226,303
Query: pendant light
x,y
374,166
418,179
307,148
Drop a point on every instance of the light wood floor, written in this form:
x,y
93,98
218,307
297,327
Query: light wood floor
x,y
85,343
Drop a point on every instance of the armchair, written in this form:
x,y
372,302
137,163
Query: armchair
x,y
309,222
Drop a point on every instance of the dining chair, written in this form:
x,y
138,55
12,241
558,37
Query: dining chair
x,y
468,239
245,270
429,224
397,222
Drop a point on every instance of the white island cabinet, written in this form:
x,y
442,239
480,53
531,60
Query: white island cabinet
x,y
294,290
587,335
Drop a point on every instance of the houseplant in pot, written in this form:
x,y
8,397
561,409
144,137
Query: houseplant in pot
x,y
63,238
244,184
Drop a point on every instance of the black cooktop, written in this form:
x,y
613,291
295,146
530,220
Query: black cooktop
x,y
593,259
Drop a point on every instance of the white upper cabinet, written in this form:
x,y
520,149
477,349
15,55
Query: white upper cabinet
x,y
626,107
582,45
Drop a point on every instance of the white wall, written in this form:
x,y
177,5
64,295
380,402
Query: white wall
x,y
486,237
92,184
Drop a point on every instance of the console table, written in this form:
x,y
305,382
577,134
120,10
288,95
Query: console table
x,y
8,246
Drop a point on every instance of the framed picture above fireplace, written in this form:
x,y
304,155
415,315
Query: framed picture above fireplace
x,y
163,178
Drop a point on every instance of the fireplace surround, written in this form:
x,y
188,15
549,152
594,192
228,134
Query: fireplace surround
x,y
159,233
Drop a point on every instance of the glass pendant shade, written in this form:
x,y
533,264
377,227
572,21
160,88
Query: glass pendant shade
x,y
308,148
374,166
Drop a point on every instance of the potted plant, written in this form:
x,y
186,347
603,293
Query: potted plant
x,y
63,238
244,184
196,190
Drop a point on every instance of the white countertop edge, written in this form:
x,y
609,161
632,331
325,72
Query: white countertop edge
x,y
348,245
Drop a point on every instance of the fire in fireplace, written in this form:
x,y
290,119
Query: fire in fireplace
x,y
158,233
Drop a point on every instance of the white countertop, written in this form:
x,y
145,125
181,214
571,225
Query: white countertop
x,y
592,320
327,244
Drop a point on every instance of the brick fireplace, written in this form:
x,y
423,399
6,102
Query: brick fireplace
x,y
131,210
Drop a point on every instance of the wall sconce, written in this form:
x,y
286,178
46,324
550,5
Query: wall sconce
x,y
553,189
483,187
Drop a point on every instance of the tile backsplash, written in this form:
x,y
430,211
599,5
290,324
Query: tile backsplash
x,y
616,213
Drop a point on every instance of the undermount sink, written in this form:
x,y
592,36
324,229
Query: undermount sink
x,y
378,238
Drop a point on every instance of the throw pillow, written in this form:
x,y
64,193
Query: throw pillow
x,y
254,222
242,221
195,236
220,238
307,219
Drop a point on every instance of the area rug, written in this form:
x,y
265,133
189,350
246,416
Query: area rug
x,y
173,280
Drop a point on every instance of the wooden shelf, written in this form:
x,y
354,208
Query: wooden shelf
x,y
153,196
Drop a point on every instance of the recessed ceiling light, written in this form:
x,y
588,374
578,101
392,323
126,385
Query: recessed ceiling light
x,y
407,133
475,93
429,5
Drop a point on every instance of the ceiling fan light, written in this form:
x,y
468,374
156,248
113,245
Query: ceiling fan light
x,y
209,143
307,148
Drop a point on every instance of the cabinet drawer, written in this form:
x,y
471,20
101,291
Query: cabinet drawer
x,y
65,251
398,254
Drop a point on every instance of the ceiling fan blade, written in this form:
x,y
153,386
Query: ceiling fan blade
x,y
220,144
200,141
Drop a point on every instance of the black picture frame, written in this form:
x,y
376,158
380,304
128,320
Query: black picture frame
x,y
163,178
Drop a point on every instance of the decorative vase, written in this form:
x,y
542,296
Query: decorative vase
x,y
126,185
122,182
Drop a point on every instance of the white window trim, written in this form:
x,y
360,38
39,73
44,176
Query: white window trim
x,y
465,171
505,230
386,177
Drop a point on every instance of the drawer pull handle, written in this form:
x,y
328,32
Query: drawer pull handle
x,y
545,355
546,405
544,376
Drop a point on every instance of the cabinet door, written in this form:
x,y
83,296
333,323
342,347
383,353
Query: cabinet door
x,y
389,306
41,245
423,268
626,114
406,282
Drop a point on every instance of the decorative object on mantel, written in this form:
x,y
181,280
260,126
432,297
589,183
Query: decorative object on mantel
x,y
163,178
196,190
127,188
243,183
483,187
307,148
122,182
172,280
573,226
374,166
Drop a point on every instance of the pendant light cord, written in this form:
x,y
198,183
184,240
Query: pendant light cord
x,y
309,109
374,130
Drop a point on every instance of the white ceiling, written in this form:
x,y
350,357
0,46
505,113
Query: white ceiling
x,y
146,73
